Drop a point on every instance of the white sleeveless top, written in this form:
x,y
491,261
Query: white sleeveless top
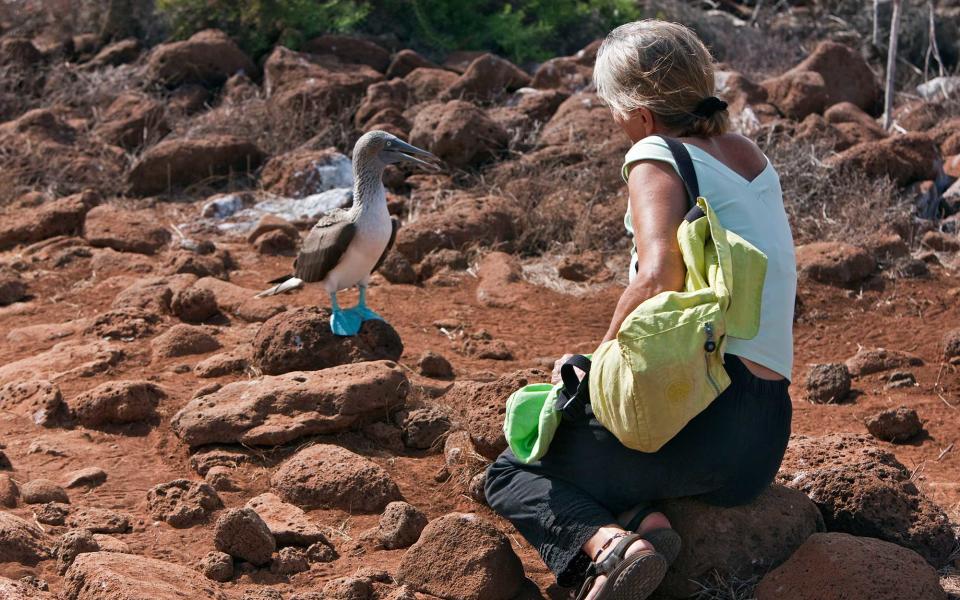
x,y
753,210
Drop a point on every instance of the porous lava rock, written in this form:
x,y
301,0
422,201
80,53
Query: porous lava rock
x,y
116,576
12,287
41,491
302,172
951,343
396,268
904,158
350,49
827,383
492,219
839,566
276,242
64,216
834,263
488,78
183,161
863,490
21,590
115,54
328,476
132,121
425,84
9,491
89,477
126,323
240,532
194,305
208,57
434,365
184,340
108,226
405,61
21,541
769,529
462,557
52,513
381,96
152,294
482,407
289,561
422,427
99,520
301,340
895,424
182,503
941,242
117,403
459,133
874,360
217,566
288,524
225,363
833,73
581,121
348,588
276,410
400,525
37,399
240,302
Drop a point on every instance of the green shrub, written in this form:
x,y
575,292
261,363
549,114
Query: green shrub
x,y
259,24
522,30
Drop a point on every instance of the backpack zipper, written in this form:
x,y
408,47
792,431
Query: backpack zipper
x,y
709,347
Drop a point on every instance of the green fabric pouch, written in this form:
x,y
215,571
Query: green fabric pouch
x,y
531,420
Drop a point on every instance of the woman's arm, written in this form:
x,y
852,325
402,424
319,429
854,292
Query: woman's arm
x,y
658,203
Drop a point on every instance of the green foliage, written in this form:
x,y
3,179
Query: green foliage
x,y
259,24
522,30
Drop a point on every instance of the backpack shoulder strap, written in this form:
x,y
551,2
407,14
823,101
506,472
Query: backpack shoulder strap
x,y
687,173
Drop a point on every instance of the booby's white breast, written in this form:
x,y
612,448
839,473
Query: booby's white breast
x,y
366,248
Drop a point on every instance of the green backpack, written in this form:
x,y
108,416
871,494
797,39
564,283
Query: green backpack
x,y
666,364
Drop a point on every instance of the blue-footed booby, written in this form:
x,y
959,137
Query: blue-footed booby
x,y
347,245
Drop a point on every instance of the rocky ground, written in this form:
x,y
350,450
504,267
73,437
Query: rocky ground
x,y
164,434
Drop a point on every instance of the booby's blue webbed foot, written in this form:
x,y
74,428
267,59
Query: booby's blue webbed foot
x,y
365,313
345,322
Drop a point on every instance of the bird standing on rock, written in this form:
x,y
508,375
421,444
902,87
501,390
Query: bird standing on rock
x,y
347,245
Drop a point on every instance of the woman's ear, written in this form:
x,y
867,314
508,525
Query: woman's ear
x,y
638,124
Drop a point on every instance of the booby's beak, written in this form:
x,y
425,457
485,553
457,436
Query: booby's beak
x,y
404,151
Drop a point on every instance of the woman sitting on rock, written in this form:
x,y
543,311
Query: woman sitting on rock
x,y
589,506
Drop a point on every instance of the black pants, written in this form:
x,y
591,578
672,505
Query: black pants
x,y
725,456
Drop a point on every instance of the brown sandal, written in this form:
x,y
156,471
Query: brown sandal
x,y
633,578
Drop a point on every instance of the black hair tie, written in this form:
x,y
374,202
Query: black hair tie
x,y
709,107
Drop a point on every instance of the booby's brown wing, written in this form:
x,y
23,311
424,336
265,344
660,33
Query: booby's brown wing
x,y
324,246
395,225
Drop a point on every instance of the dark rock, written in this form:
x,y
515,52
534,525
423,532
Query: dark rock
x,y
827,383
217,566
458,133
240,532
194,305
834,263
400,525
422,427
208,57
432,364
117,403
894,425
301,340
184,340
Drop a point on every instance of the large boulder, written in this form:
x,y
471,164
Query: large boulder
x,y
833,73
491,219
838,566
301,340
482,407
834,263
462,557
21,541
459,133
117,403
278,410
739,542
488,78
60,217
582,121
132,121
117,576
903,158
305,86
288,524
108,226
350,49
180,162
209,58
300,173
863,490
327,476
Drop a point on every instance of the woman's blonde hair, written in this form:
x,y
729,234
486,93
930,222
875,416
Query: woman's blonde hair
x,y
663,67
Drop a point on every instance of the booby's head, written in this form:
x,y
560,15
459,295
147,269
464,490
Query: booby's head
x,y
381,149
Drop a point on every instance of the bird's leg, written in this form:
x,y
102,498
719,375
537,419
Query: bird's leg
x,y
365,313
343,322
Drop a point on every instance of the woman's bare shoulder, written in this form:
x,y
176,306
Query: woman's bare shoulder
x,y
738,152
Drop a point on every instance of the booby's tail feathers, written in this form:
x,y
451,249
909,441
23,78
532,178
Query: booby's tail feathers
x,y
285,285
281,279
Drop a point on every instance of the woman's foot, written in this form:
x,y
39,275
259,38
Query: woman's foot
x,y
602,544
